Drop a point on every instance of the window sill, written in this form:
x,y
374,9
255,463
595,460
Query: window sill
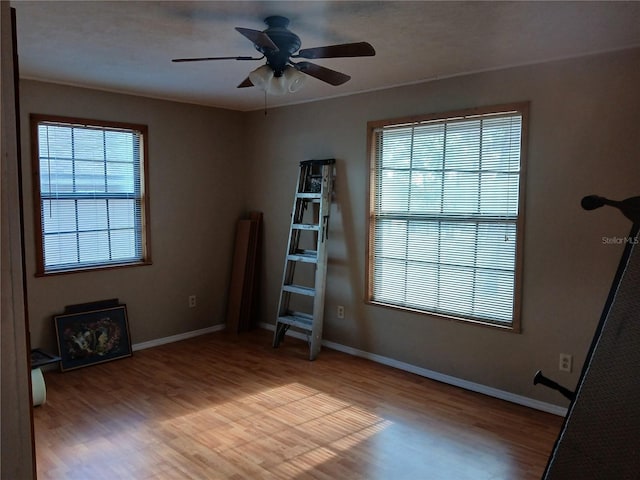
x,y
93,268
513,328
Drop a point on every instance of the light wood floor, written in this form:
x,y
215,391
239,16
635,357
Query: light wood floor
x,y
219,406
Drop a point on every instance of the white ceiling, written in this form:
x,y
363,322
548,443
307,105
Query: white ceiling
x,y
127,46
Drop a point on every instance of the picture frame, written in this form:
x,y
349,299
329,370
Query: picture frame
x,y
40,358
91,337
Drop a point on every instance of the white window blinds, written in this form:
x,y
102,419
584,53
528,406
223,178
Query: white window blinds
x,y
444,225
91,195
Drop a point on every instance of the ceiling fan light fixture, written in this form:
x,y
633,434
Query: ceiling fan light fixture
x,y
295,79
290,81
261,77
277,85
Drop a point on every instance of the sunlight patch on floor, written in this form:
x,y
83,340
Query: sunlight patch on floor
x,y
304,428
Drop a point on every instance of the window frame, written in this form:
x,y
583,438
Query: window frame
x,y
520,107
35,121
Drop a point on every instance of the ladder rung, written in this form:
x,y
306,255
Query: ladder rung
x,y
311,195
307,256
299,290
298,320
305,226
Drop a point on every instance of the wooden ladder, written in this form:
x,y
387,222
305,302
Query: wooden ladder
x,y
303,284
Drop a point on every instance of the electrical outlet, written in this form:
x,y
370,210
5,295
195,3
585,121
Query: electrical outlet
x,y
565,363
340,311
192,301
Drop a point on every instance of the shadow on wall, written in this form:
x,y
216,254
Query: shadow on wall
x,y
351,262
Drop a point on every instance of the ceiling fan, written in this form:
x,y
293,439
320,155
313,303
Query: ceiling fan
x,y
279,45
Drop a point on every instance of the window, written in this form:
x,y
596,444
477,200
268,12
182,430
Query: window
x,y
90,192
446,203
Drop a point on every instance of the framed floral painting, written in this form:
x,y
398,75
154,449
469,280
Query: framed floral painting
x,y
96,336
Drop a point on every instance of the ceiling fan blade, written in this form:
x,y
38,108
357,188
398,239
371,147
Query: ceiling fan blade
x,y
259,38
201,59
246,83
322,73
360,49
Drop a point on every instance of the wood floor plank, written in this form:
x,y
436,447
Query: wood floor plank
x,y
225,406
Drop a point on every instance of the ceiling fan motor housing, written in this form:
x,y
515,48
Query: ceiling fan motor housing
x,y
287,42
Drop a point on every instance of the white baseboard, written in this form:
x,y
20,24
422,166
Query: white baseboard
x,y
407,367
440,377
176,338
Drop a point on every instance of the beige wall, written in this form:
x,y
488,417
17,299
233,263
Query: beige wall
x,y
196,170
584,138
207,166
